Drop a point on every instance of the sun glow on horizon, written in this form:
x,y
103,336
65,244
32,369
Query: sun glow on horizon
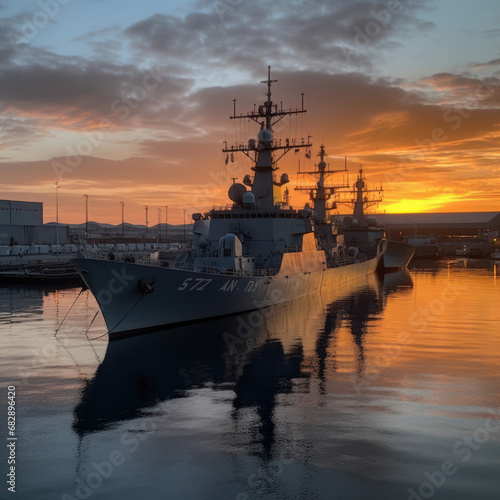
x,y
422,205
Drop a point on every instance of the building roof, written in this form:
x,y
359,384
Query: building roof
x,y
441,219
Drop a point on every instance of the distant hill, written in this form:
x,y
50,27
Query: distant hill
x,y
128,227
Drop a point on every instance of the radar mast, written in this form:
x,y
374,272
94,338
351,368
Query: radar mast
x,y
360,197
263,152
321,191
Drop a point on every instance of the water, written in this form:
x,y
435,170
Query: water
x,y
379,390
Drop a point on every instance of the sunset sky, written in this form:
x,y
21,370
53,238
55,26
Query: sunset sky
x,y
129,101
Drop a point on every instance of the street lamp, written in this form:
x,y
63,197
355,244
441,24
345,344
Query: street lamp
x,y
86,196
184,210
57,217
123,219
159,226
166,223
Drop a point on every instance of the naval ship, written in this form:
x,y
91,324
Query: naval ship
x,y
254,253
362,229
359,231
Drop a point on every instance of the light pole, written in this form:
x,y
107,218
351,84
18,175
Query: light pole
x,y
146,207
159,226
123,220
57,217
166,223
184,210
86,196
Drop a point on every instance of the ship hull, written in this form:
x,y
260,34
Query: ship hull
x,y
178,296
398,255
427,252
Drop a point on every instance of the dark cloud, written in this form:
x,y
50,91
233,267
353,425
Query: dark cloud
x,y
297,34
17,132
492,33
92,35
471,91
82,92
174,132
333,36
494,62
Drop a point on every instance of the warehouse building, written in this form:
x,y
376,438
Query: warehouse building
x,y
21,223
442,225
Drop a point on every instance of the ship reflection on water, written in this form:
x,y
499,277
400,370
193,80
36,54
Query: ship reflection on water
x,y
313,398
256,360
258,353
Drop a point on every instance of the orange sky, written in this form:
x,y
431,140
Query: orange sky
x,y
138,112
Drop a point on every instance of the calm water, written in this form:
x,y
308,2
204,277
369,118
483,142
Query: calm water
x,y
381,390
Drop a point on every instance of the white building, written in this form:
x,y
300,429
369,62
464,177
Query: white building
x,y
21,223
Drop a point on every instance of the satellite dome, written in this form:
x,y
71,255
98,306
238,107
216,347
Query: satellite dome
x,y
265,135
248,198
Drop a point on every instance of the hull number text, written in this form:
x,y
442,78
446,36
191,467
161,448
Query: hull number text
x,y
197,284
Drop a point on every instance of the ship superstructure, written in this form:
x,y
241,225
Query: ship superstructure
x,y
255,253
362,230
259,227
352,236
323,190
320,193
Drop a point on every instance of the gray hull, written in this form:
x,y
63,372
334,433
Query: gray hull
x,y
398,255
427,252
180,296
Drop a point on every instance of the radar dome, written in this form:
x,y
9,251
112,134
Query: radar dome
x,y
265,135
248,198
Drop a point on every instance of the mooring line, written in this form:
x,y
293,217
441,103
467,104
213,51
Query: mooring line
x,y
69,310
87,330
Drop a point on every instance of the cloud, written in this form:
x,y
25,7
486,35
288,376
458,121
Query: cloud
x,y
17,132
373,121
81,93
92,35
315,34
470,91
440,131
